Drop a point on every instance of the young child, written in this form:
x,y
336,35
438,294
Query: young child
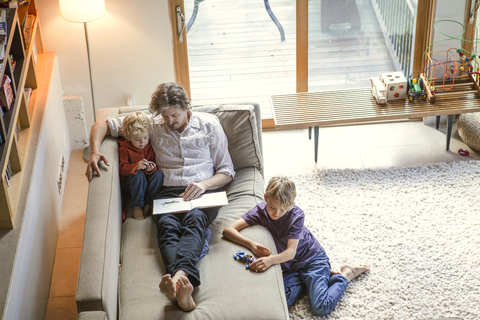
x,y
305,264
139,177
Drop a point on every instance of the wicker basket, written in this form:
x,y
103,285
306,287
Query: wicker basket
x,y
468,126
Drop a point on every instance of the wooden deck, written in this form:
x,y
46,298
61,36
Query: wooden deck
x,y
236,54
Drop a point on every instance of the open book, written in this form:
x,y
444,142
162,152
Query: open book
x,y
175,205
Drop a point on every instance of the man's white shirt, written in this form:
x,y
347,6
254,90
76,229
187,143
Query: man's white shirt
x,y
196,154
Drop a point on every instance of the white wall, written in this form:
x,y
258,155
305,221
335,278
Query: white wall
x,y
33,266
131,49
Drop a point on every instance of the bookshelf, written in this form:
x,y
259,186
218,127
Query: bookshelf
x,y
22,66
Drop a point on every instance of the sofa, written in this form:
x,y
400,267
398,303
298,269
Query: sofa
x,y
121,265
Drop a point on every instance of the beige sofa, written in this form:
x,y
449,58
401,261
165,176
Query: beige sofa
x,y
121,265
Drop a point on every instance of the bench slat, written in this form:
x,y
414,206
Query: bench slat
x,y
326,108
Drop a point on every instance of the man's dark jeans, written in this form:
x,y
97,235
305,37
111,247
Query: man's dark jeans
x,y
181,236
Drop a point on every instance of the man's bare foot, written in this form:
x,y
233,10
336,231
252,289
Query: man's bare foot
x,y
184,294
146,210
138,213
351,272
167,286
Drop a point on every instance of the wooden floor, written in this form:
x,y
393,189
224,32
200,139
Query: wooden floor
x,y
236,54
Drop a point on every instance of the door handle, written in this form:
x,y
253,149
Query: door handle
x,y
180,24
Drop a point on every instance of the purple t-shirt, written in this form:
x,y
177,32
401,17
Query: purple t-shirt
x,y
289,226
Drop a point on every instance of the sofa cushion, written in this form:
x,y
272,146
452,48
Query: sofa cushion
x,y
238,121
240,126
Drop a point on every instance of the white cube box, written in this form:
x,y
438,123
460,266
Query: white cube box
x,y
395,85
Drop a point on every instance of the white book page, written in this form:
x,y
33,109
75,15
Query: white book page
x,y
214,199
161,206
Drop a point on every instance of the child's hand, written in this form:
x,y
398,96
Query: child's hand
x,y
261,264
259,250
142,164
151,166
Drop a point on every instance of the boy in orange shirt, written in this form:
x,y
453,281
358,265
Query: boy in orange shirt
x,y
139,176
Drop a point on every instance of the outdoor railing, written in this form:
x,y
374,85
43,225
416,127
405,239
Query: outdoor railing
x,y
397,20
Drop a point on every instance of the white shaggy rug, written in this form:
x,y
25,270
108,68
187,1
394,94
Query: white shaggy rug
x,y
418,228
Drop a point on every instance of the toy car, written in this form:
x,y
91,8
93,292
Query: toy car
x,y
416,89
241,255
463,152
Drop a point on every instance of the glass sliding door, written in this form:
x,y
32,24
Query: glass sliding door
x,y
350,41
241,50
248,50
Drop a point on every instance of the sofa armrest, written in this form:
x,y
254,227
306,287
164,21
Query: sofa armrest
x,y
97,281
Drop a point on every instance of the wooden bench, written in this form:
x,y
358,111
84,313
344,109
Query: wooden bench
x,y
349,106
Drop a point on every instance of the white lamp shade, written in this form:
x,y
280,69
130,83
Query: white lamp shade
x,y
82,10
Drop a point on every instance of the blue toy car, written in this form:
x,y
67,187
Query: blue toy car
x,y
241,255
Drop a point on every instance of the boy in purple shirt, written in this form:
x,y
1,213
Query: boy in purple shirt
x,y
305,265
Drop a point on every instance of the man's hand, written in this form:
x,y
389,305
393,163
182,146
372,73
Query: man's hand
x,y
95,158
259,250
193,191
261,264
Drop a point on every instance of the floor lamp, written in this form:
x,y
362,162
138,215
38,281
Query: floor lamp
x,y
83,11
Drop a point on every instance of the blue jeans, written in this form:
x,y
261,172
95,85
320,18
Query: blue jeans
x,y
142,187
314,278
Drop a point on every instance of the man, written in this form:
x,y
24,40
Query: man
x,y
191,149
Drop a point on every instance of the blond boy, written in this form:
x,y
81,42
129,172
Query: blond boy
x,y
139,177
305,265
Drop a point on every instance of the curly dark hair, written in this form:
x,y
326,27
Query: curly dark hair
x,y
169,95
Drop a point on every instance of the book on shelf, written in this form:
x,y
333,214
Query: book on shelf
x,y
8,174
6,93
17,3
9,169
27,30
28,93
3,33
3,22
18,128
34,52
176,205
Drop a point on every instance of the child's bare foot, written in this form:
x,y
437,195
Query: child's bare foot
x,y
146,210
351,272
332,273
167,286
184,294
138,213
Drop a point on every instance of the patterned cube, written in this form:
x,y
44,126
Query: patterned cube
x,y
396,85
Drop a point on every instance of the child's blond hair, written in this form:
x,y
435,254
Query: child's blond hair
x,y
135,123
281,189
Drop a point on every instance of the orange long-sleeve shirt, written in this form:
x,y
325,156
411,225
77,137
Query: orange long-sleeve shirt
x,y
130,156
